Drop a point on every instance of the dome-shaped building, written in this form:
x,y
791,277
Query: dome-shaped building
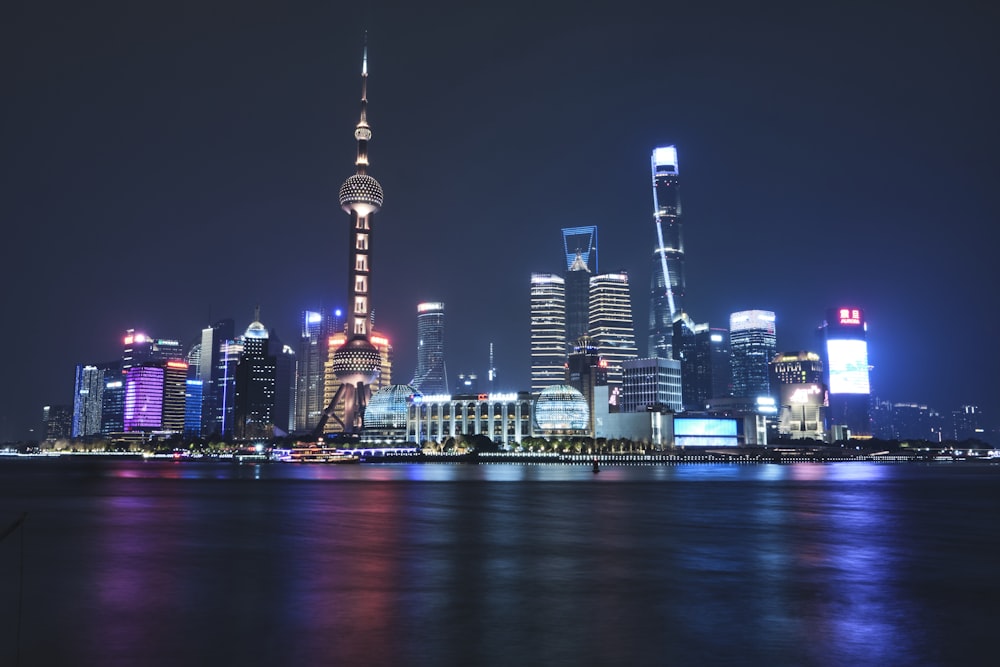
x,y
561,410
385,416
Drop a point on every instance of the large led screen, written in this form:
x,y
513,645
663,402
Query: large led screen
x,y
704,427
848,361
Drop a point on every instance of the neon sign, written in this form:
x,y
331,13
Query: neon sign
x,y
850,316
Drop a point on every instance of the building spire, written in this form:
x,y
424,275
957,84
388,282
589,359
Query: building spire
x,y
362,132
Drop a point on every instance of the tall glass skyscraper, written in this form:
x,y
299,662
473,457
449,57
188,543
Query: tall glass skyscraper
x,y
753,344
317,327
431,375
612,330
548,330
87,394
667,281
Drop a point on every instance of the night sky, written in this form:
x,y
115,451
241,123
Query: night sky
x,y
167,164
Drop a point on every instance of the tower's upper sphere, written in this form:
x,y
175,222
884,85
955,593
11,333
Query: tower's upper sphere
x,y
357,361
362,193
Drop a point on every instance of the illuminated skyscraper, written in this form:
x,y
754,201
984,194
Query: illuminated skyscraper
x,y
87,394
214,341
667,281
317,327
844,337
256,372
752,344
332,395
612,330
706,366
430,376
356,364
797,383
548,330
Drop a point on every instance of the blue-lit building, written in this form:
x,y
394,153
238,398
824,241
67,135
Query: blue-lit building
x,y
752,344
431,375
192,408
667,285
844,337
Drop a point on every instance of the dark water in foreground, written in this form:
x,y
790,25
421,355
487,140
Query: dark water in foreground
x,y
157,563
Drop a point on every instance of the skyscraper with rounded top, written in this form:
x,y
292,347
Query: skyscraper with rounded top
x,y
431,376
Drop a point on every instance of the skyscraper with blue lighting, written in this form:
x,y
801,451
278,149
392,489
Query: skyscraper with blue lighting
x,y
666,299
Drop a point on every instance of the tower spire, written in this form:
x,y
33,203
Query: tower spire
x,y
362,132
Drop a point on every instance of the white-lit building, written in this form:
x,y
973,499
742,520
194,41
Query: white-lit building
x,y
505,418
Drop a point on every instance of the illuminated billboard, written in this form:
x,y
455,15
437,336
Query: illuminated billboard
x,y
698,432
143,398
848,364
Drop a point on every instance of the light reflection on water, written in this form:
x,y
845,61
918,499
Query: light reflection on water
x,y
161,563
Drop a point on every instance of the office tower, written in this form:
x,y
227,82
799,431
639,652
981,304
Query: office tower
x,y
797,383
356,364
214,340
430,376
143,399
915,421
174,396
846,372
651,385
720,359
467,383
139,348
57,420
667,279
87,393
253,409
284,386
752,344
548,330
317,327
611,328
704,356
585,371
577,287
113,400
192,408
580,246
967,423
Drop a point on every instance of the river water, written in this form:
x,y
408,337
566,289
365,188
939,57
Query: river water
x,y
162,563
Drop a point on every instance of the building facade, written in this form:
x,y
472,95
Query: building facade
x,y
846,372
752,344
548,330
667,284
797,382
505,418
431,376
88,392
651,385
612,330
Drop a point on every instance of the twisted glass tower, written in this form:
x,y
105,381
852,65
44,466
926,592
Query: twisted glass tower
x,y
357,363
667,281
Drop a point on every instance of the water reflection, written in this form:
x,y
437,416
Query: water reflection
x,y
823,564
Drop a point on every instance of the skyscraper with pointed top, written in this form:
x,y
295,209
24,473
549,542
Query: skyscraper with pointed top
x,y
357,363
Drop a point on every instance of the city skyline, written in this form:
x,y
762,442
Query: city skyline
x,y
166,172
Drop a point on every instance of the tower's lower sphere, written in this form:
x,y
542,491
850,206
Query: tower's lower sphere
x,y
361,192
357,361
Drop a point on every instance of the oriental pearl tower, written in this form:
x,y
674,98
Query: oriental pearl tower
x,y
357,363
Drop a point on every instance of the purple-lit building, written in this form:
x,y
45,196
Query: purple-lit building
x,y
143,409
